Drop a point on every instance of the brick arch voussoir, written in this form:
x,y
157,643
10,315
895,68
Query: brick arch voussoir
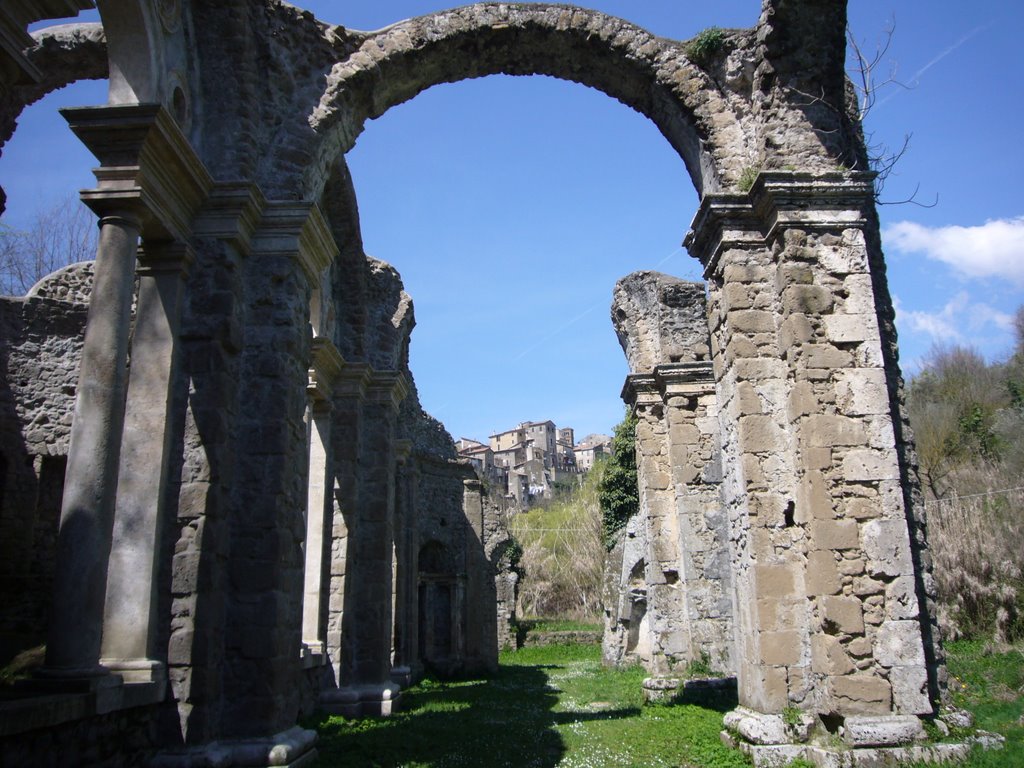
x,y
651,75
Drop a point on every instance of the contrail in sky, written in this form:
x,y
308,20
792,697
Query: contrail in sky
x,y
578,317
916,78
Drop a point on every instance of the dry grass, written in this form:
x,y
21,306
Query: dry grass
x,y
977,542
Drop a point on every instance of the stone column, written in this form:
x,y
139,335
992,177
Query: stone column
x,y
349,394
365,681
374,545
326,365
828,620
404,579
87,512
290,251
130,615
150,184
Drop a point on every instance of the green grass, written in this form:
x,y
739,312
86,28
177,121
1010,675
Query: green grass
x,y
546,706
991,685
558,706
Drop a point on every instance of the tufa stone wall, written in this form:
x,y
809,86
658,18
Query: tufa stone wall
x,y
668,594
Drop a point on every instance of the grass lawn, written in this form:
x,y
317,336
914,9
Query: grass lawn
x,y
557,706
547,706
991,685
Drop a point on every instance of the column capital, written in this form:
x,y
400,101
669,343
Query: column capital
x,y
146,164
324,368
232,212
352,381
388,386
403,449
640,389
685,379
777,201
297,229
162,257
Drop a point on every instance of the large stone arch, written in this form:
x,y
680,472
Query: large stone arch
x,y
652,75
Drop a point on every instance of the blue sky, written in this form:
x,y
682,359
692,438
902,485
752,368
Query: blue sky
x,y
511,205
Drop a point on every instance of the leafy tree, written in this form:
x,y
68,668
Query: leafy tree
x,y
619,493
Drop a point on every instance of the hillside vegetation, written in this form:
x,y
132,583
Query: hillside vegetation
x,y
968,421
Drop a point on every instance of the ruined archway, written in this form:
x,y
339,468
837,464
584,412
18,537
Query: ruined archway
x,y
229,182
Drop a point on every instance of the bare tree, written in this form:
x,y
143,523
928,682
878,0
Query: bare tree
x,y
62,234
871,74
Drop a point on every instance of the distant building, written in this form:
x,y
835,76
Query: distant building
x,y
590,448
529,460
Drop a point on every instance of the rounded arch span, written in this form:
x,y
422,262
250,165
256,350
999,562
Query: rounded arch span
x,y
649,74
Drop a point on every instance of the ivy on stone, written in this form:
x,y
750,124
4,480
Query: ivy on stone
x,y
619,493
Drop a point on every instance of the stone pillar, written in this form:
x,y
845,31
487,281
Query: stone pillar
x,y
87,512
403,654
326,365
828,619
349,394
290,251
150,183
477,599
691,413
669,640
131,600
365,679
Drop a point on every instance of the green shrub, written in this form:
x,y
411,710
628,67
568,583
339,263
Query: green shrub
x,y
618,491
705,45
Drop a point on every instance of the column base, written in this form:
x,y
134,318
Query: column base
x,y
377,700
137,670
778,755
293,748
773,741
401,676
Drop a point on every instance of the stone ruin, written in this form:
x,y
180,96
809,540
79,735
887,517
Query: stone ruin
x,y
222,504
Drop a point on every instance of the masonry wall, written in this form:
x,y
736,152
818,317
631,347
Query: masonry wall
x,y
668,593
40,345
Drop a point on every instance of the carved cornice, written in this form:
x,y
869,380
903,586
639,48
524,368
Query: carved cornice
x,y
164,257
352,381
297,229
147,166
668,380
403,449
777,201
232,212
325,367
388,387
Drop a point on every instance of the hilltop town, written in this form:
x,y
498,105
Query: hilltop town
x,y
528,462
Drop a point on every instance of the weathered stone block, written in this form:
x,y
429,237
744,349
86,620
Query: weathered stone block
x,y
898,644
807,299
861,731
835,534
860,693
775,580
826,356
845,329
868,465
822,575
843,614
828,657
826,430
760,434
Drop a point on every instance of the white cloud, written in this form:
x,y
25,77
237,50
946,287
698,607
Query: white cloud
x,y
960,315
994,249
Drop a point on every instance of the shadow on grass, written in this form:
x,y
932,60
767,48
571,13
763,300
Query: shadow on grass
x,y
504,720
